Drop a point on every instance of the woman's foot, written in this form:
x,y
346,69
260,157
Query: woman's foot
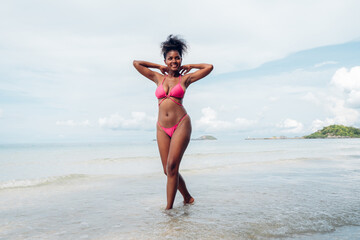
x,y
189,200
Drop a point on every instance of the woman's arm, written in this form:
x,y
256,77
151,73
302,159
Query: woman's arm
x,y
143,67
204,70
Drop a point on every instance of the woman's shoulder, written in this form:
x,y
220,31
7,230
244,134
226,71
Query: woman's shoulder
x,y
186,79
159,77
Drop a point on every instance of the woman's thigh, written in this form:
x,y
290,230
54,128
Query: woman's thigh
x,y
163,141
179,142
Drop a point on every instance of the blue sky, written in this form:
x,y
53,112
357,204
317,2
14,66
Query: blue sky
x,y
281,67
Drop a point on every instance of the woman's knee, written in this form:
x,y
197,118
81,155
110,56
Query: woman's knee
x,y
171,168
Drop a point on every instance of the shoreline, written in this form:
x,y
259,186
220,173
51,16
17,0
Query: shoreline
x,y
273,138
285,138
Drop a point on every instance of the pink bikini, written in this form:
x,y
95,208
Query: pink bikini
x,y
177,92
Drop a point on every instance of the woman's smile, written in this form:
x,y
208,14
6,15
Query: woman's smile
x,y
173,60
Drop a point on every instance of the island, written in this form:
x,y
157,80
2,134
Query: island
x,y
336,131
205,137
332,131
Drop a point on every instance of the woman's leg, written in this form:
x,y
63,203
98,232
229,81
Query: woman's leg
x,y
178,145
163,141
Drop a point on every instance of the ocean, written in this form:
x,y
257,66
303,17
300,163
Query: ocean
x,y
254,189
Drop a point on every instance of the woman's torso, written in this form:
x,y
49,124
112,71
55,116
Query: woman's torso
x,y
170,92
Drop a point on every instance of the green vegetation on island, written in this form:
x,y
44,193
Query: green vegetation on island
x,y
336,131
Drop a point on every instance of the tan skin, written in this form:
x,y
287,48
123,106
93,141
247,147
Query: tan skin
x,y
172,149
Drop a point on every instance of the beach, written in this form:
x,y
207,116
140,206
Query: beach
x,y
284,189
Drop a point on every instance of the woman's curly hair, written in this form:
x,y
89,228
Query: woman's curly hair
x,y
174,43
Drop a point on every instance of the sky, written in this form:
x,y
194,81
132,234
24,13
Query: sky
x,y
281,68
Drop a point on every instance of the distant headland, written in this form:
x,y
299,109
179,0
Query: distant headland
x,y
329,132
336,131
205,137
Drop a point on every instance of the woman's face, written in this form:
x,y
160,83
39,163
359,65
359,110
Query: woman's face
x,y
173,60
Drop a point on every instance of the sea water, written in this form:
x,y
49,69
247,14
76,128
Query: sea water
x,y
255,189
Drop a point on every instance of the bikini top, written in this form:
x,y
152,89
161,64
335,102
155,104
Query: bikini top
x,y
177,92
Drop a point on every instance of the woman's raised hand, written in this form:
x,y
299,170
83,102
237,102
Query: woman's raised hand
x,y
164,69
185,69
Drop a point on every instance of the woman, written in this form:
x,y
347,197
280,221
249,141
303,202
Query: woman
x,y
174,125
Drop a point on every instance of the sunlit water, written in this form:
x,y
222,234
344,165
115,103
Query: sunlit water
x,y
266,189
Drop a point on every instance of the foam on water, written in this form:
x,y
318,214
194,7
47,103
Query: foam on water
x,y
41,181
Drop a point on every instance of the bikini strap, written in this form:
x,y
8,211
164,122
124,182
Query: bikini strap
x,y
167,96
163,80
171,100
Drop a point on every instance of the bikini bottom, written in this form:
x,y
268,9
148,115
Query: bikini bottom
x,y
170,131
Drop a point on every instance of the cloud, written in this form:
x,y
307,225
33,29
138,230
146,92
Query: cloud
x,y
311,97
348,82
209,122
342,102
237,29
290,126
342,114
83,61
354,98
324,64
345,106
318,124
72,123
273,98
138,120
